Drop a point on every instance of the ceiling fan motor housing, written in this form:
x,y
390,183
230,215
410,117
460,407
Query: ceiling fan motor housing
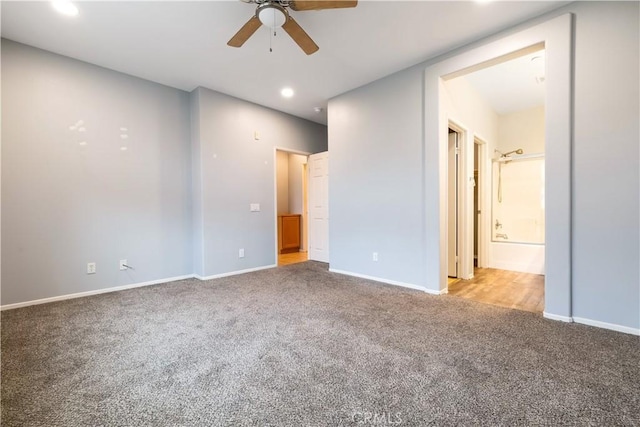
x,y
271,14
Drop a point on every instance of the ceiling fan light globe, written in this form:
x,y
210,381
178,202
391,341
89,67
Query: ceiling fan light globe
x,y
271,15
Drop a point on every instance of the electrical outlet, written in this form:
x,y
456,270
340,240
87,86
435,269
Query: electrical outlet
x,y
241,253
91,268
375,256
123,264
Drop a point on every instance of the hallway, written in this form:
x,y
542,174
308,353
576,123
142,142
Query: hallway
x,y
511,289
292,258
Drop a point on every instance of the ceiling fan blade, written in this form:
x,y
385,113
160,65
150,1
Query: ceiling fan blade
x,y
245,32
300,36
321,4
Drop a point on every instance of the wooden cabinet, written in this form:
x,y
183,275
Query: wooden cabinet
x,y
288,233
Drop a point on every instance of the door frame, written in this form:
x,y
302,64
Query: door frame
x,y
464,208
555,35
305,207
275,191
484,200
466,144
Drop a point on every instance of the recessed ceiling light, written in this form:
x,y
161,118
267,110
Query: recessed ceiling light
x,y
318,109
287,92
65,7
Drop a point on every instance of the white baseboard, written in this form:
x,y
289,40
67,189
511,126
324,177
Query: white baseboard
x,y
96,292
557,317
387,281
596,323
605,325
234,273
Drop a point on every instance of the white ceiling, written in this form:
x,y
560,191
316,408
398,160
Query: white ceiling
x,y
512,86
183,44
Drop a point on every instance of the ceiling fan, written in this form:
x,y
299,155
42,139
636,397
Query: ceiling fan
x,y
274,14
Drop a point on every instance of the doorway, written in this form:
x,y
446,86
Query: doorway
x,y
555,35
290,206
511,289
506,236
459,263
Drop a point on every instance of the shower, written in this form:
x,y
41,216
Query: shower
x,y
508,153
503,159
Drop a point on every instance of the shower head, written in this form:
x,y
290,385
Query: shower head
x,y
518,151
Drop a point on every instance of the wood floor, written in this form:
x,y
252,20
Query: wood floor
x,y
512,289
292,258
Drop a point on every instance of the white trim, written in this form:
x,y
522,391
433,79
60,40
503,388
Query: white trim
x,y
387,281
605,325
557,317
96,292
292,151
235,273
484,200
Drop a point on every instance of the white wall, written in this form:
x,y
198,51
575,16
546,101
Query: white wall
x,y
521,221
289,182
295,183
237,170
378,168
522,129
65,204
463,103
282,181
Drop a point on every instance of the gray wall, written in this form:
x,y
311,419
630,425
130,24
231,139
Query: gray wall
x,y
196,184
375,184
66,204
606,213
376,143
237,170
166,203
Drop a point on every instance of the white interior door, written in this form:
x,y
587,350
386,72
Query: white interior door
x,y
452,211
319,207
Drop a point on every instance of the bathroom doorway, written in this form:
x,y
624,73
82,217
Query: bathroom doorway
x,y
501,212
554,36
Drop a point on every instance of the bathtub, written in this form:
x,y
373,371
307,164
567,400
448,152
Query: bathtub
x,y
523,257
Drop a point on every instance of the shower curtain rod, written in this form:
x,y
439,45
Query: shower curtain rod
x,y
519,157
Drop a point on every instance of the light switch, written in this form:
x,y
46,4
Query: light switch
x,y
256,135
254,207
